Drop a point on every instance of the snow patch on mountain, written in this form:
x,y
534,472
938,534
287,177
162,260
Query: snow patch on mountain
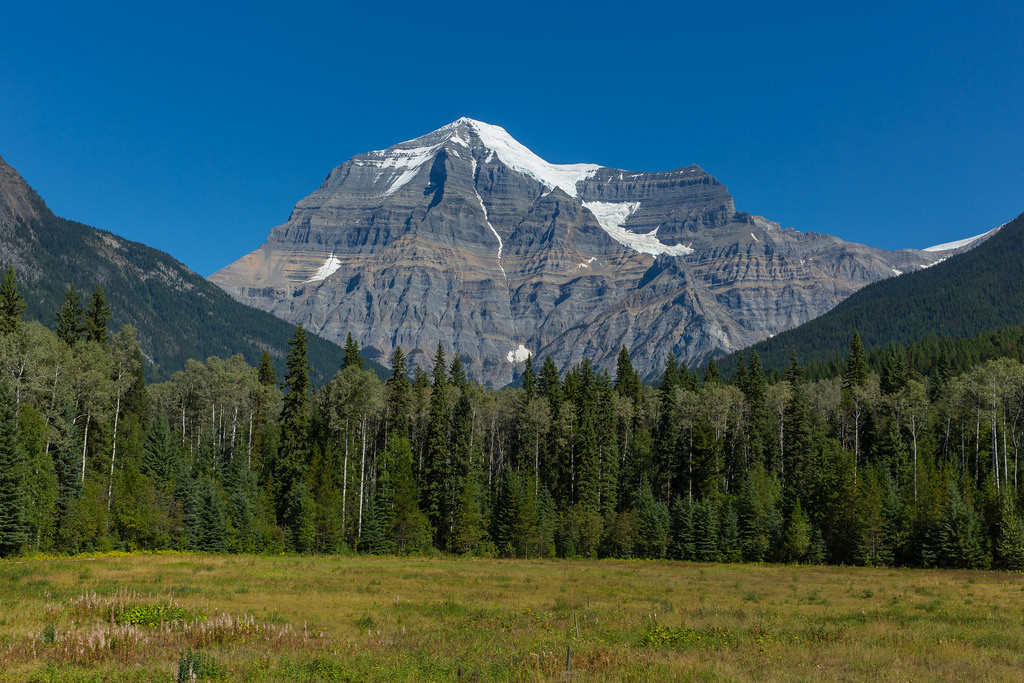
x,y
950,246
330,265
405,162
518,354
517,157
613,215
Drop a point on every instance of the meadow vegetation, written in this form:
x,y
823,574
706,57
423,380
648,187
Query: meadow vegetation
x,y
261,618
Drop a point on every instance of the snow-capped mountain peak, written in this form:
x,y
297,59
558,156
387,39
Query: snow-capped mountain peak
x,y
405,159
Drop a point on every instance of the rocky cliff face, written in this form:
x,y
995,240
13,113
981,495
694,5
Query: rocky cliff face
x,y
464,236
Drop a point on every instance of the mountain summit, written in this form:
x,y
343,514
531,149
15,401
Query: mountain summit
x,y
466,237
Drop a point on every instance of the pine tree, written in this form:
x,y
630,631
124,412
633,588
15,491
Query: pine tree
x,y
398,401
711,375
682,529
798,444
627,380
856,372
266,374
352,357
529,380
894,370
439,485
293,452
798,534
12,303
652,524
14,502
70,327
159,455
1011,536
960,535
97,315
705,531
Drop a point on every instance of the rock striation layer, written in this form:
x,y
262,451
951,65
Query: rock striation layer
x,y
466,237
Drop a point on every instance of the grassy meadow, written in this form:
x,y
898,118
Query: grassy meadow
x,y
229,617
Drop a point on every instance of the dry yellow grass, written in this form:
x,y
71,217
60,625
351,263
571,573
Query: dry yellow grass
x,y
358,618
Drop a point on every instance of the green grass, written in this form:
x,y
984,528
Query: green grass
x,y
144,617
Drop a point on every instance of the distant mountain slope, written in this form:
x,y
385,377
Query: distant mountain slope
x,y
179,314
965,295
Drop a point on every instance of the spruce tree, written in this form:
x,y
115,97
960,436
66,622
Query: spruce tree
x,y
12,303
711,375
293,452
1011,536
439,485
97,315
70,327
960,535
653,524
529,380
857,369
398,396
627,380
14,500
265,373
352,357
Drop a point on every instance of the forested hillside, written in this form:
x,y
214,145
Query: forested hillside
x,y
874,468
979,290
178,314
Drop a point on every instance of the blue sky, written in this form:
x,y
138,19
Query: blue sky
x,y
196,127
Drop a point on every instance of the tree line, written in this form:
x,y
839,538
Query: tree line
x,y
872,465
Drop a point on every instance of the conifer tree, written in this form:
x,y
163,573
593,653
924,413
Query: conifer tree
x,y
550,385
652,524
97,315
798,443
960,536
352,357
711,375
682,529
12,303
293,452
856,372
705,531
529,380
70,327
627,380
398,400
1011,536
266,374
14,502
439,485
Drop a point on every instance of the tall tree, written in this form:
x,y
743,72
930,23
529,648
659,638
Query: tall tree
x,y
293,452
352,357
398,397
265,373
14,527
70,327
12,303
97,315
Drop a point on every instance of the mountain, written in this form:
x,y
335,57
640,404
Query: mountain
x,y
466,237
178,314
972,292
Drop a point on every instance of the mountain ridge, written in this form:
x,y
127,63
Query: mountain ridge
x,y
970,293
178,314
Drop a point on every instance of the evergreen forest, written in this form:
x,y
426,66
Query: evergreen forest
x,y
899,457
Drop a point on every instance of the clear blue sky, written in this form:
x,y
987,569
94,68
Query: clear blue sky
x,y
196,127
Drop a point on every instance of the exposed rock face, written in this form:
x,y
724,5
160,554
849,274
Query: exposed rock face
x,y
466,237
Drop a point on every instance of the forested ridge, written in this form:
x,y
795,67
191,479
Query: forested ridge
x,y
968,294
177,314
887,465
